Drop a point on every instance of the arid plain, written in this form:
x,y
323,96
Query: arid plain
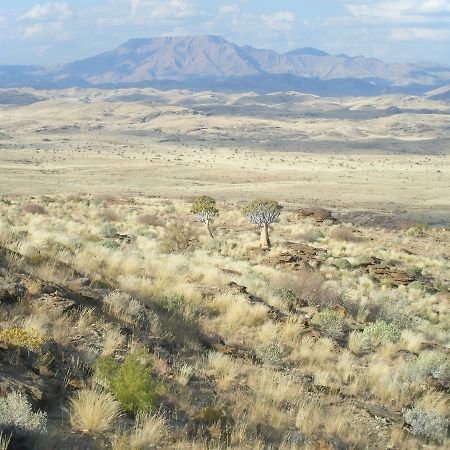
x,y
384,154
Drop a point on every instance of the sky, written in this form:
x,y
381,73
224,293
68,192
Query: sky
x,y
40,32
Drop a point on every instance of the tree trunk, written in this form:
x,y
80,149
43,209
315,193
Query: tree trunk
x,y
208,228
265,241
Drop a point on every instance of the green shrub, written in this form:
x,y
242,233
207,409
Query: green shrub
x,y
343,264
430,363
172,302
110,243
381,332
419,286
426,424
286,294
440,286
131,382
271,351
330,322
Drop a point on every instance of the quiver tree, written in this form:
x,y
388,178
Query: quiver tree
x,y
204,210
263,213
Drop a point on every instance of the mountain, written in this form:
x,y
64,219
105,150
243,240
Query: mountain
x,y
205,62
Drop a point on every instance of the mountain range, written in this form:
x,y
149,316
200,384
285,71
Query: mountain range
x,y
212,62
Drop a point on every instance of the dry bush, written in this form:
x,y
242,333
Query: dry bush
x,y
179,237
93,411
33,208
110,215
150,220
310,288
344,234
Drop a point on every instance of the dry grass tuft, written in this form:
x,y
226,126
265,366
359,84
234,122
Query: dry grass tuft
x,y
93,411
149,430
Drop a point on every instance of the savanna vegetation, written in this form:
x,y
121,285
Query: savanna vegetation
x,y
124,325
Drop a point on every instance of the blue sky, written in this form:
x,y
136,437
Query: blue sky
x,y
40,32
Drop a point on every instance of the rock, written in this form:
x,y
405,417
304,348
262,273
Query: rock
x,y
297,256
390,275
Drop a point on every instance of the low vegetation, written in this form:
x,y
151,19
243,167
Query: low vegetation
x,y
123,327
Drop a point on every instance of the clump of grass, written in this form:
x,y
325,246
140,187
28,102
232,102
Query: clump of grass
x,y
148,431
93,411
123,305
131,382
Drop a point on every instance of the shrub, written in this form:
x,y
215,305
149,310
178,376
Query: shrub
x,y
417,285
150,220
179,238
426,424
311,235
16,413
311,288
381,332
131,382
172,302
110,243
272,351
330,322
440,286
286,294
33,208
344,234
430,363
343,264
20,337
93,411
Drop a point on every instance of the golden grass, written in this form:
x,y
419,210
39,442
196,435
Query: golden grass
x,y
93,411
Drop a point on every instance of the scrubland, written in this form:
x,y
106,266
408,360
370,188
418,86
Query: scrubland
x,y
124,325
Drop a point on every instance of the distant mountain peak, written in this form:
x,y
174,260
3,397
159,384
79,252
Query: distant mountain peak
x,y
306,51
197,60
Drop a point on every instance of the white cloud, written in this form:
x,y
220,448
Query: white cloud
x,y
162,9
48,11
400,11
280,21
55,31
229,9
419,34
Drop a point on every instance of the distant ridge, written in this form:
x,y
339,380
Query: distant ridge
x,y
202,62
